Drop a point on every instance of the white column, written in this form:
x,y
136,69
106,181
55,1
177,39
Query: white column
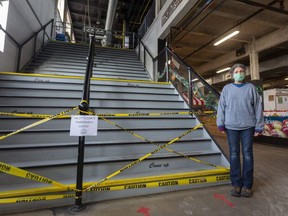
x,y
157,7
254,61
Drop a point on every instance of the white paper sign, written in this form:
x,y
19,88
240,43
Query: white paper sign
x,y
83,125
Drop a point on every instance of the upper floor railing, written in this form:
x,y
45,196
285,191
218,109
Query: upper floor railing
x,y
199,95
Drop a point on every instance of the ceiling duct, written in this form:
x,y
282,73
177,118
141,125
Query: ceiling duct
x,y
109,22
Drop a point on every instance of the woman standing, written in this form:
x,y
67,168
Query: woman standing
x,y
240,115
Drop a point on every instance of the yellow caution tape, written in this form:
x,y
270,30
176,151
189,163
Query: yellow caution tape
x,y
118,182
12,170
148,114
35,198
142,158
38,123
26,115
174,182
31,115
143,114
137,185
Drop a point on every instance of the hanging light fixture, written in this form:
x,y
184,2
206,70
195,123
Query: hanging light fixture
x,y
222,70
226,38
194,80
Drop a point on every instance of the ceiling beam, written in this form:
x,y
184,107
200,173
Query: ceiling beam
x,y
264,6
191,33
261,44
187,47
256,20
198,60
274,39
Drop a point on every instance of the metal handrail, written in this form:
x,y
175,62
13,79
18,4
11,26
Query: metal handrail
x,y
194,73
29,4
20,46
35,41
84,107
191,86
145,48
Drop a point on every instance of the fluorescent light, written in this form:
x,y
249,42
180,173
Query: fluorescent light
x,y
226,38
222,70
169,62
194,79
286,78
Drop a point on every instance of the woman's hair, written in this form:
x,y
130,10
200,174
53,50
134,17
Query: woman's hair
x,y
235,66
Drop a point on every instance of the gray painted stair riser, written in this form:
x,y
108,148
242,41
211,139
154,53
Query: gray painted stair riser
x,y
103,110
78,87
98,52
76,94
82,60
135,123
99,64
46,137
55,102
79,72
52,155
83,56
94,83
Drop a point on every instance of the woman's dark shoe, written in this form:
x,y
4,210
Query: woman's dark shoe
x,y
236,192
245,192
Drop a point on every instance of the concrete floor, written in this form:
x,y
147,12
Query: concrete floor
x,y
270,196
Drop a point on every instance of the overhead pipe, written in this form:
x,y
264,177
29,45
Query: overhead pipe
x,y
109,22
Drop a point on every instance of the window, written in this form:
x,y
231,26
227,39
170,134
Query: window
x,y
4,5
61,7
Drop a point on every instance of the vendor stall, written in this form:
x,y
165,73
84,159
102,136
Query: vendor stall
x,y
275,116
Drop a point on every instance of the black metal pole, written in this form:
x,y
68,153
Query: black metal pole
x,y
144,57
139,44
52,28
84,106
19,59
43,39
133,46
190,90
170,44
35,43
167,64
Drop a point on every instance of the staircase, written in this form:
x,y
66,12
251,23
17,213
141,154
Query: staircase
x,y
70,60
52,83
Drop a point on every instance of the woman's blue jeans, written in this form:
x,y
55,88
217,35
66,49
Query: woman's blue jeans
x,y
238,178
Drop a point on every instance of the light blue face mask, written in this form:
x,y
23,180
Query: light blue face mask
x,y
239,77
